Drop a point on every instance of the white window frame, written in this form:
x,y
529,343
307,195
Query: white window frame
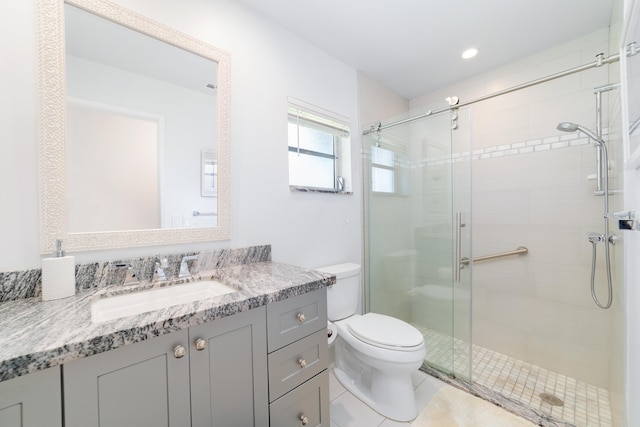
x,y
393,169
305,115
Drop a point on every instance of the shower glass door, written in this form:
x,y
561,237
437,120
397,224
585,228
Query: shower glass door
x,y
419,228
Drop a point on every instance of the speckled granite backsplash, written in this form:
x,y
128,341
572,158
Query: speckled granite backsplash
x,y
17,285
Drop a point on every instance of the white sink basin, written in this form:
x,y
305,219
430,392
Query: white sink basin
x,y
110,308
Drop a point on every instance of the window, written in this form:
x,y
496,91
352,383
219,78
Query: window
x,y
383,174
319,150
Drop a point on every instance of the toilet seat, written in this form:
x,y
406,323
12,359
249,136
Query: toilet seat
x,y
385,332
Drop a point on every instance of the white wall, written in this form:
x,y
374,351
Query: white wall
x,y
18,149
268,65
632,278
632,239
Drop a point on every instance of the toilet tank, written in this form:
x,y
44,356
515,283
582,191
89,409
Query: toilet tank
x,y
343,297
398,270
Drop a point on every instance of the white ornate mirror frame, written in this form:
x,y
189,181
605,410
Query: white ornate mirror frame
x,y
51,132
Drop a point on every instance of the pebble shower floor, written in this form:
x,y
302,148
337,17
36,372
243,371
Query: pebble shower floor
x,y
585,405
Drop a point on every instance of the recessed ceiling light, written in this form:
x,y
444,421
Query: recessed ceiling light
x,y
469,53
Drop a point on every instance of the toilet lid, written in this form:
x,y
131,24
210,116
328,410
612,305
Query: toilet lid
x,y
385,331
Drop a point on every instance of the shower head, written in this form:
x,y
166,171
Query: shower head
x,y
572,127
567,127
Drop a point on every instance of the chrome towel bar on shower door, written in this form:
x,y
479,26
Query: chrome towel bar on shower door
x,y
521,250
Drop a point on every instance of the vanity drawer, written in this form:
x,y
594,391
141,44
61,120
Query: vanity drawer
x,y
308,402
295,318
294,364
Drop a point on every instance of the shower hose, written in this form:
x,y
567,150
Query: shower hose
x,y
593,271
607,238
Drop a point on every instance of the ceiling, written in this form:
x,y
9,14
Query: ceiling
x,y
414,46
97,39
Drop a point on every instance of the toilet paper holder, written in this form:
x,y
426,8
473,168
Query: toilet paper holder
x,y
332,332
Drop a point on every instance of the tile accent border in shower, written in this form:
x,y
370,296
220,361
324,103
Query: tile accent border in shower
x,y
574,139
566,140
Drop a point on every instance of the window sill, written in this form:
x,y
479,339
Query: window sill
x,y
317,190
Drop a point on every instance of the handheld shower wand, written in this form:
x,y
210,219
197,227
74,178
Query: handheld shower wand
x,y
595,238
572,127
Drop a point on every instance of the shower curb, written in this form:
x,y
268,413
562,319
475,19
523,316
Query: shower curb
x,y
511,405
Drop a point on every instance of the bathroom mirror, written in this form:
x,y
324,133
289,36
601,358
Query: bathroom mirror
x,y
127,107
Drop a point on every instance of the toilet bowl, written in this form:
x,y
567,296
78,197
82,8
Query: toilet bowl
x,y
375,354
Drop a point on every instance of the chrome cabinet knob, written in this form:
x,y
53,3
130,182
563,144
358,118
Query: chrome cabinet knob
x,y
302,363
179,352
201,344
301,317
304,420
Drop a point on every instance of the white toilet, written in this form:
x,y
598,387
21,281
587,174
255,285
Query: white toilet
x,y
375,354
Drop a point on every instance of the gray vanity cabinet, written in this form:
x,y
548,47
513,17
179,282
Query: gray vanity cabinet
x,y
298,360
228,371
266,366
140,385
211,375
32,400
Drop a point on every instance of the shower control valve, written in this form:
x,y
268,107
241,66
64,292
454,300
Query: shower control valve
x,y
595,237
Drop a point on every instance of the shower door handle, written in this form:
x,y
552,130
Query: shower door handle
x,y
457,263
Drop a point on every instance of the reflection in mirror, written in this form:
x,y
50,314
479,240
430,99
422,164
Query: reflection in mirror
x,y
209,174
112,169
141,103
135,76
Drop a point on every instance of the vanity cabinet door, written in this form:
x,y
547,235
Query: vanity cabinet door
x,y
295,318
139,385
33,400
296,363
229,371
306,405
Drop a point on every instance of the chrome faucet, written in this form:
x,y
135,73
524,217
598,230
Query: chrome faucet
x,y
158,269
184,267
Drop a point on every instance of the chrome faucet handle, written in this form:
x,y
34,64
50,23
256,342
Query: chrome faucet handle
x,y
131,278
595,238
158,269
184,267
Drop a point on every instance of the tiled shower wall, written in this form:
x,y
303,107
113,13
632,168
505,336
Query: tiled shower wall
x,y
537,307
531,187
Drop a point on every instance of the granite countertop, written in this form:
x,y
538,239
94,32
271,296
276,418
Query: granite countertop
x,y
39,334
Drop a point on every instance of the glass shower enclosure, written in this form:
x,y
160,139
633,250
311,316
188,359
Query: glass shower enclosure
x,y
417,213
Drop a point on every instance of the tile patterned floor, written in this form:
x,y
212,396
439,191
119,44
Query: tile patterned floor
x,y
349,411
447,407
585,405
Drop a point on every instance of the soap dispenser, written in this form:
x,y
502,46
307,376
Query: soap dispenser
x,y
58,275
